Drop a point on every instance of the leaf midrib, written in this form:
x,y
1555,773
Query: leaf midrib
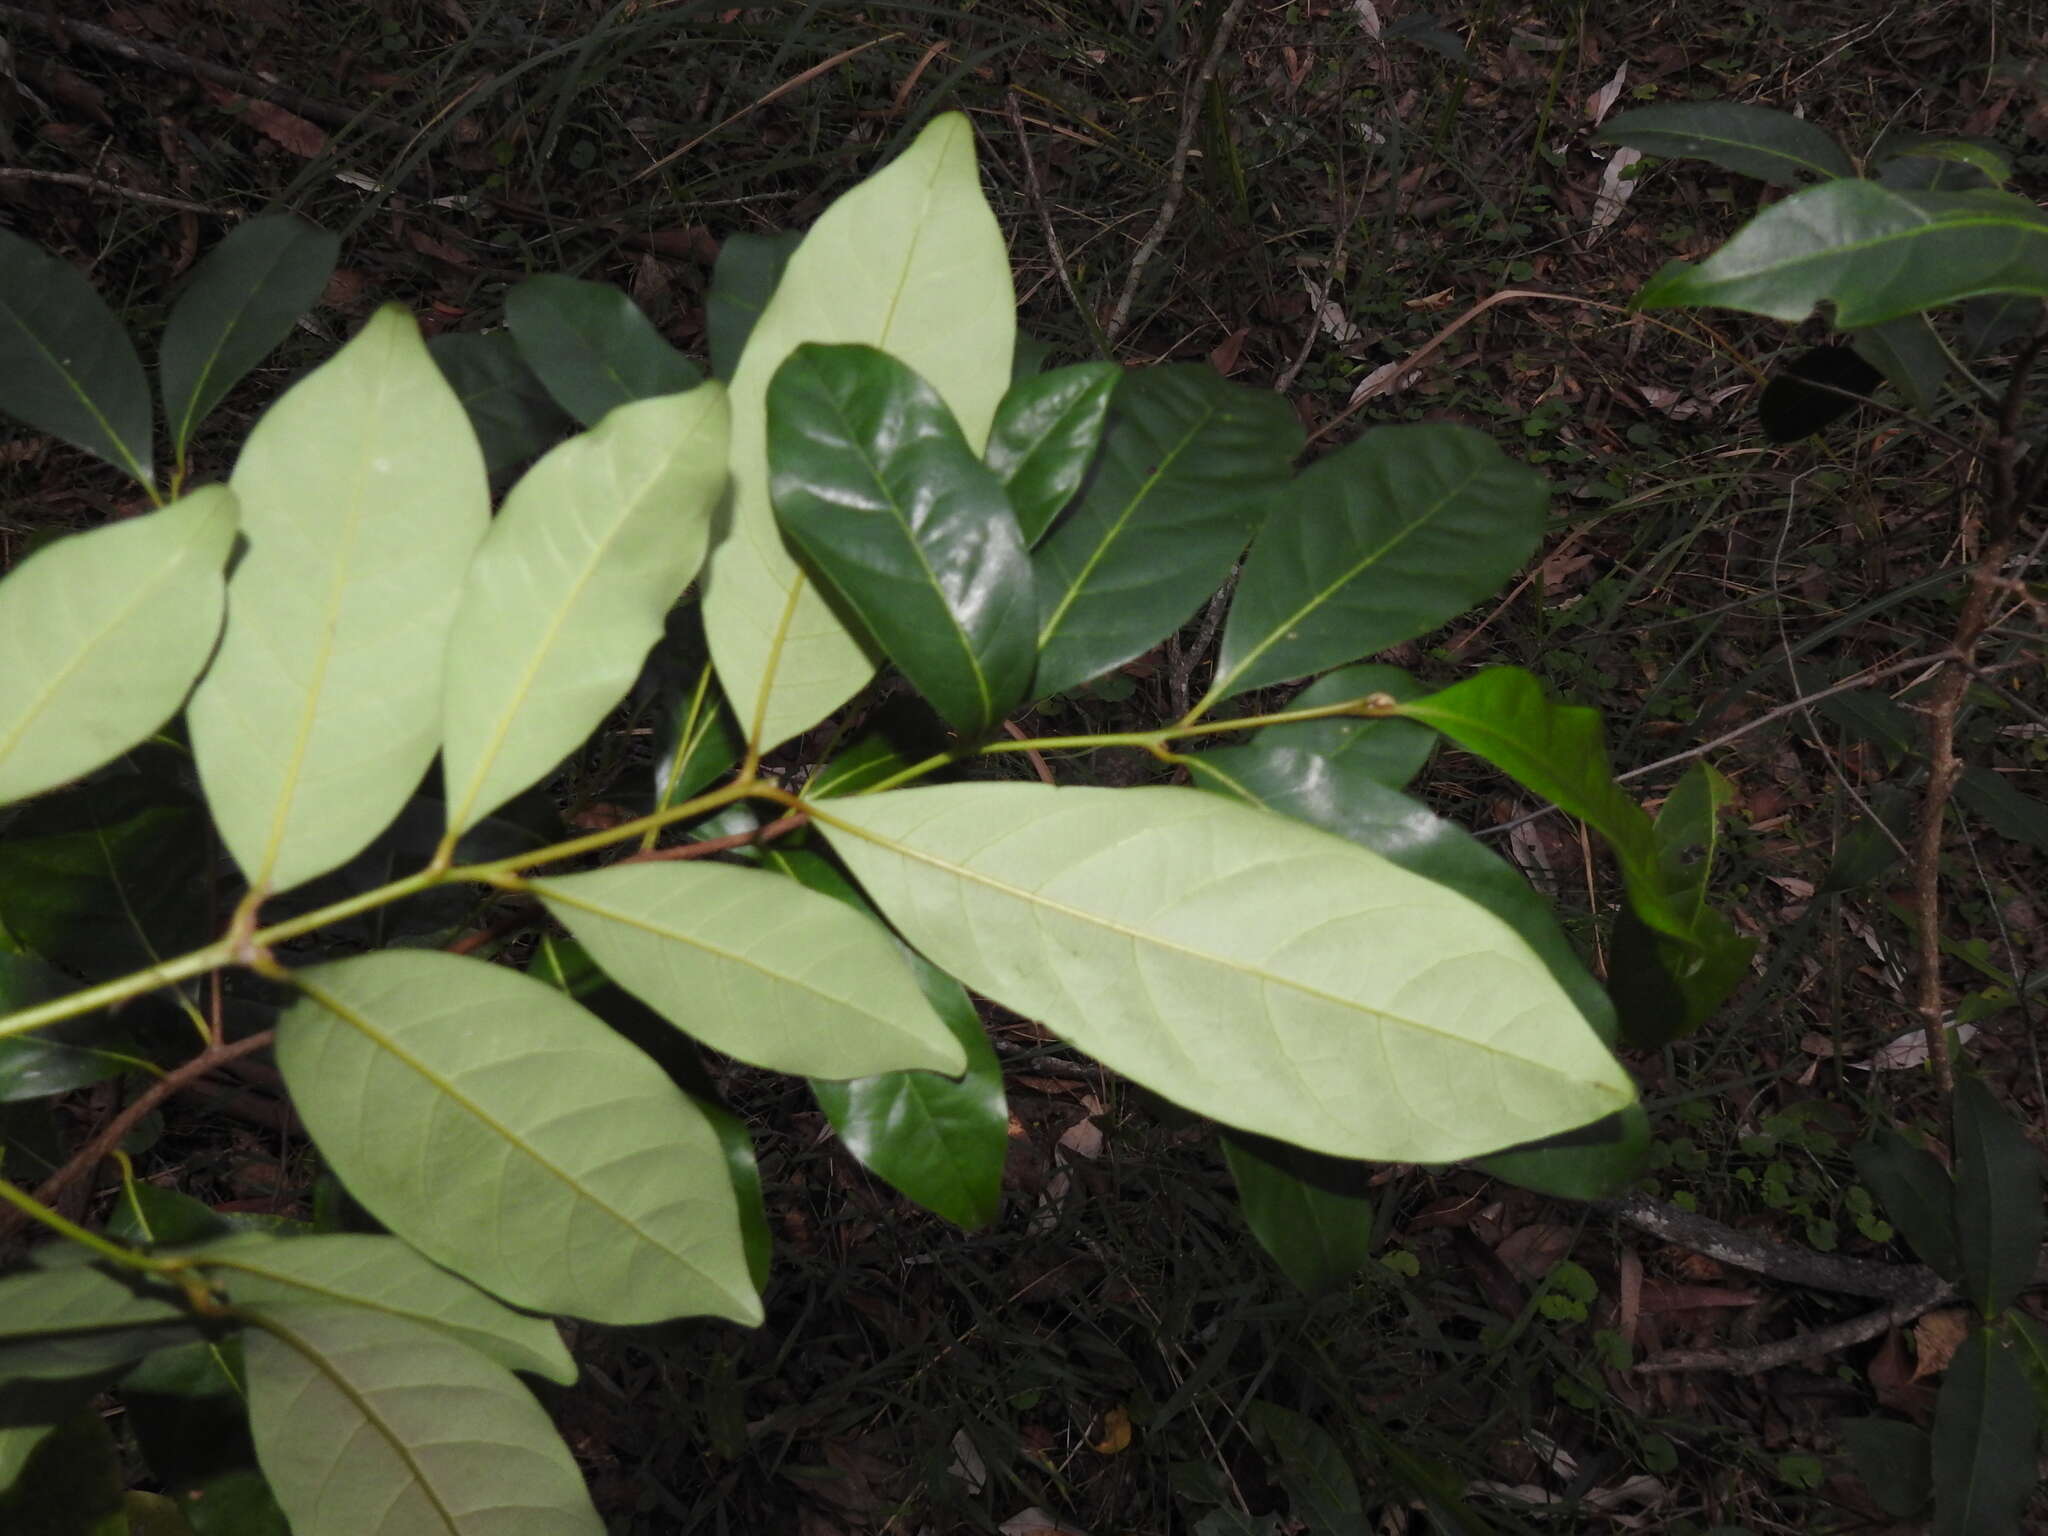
x,y
1138,935
552,892
175,565
1329,591
542,648
1115,531
442,1085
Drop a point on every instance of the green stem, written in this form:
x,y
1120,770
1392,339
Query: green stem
x,y
108,993
33,1208
1366,707
1370,706
247,950
492,872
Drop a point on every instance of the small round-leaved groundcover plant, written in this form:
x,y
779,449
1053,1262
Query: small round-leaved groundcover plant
x,y
378,678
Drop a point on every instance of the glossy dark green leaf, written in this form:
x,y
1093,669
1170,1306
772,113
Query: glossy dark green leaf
x,y
1749,140
1815,389
1895,1461
873,479
102,879
245,296
2030,1341
1311,1469
868,759
1917,1196
1190,464
592,347
236,1504
514,416
1343,795
18,1443
745,1173
187,1409
1688,834
1029,358
1999,1216
743,281
66,366
61,1057
1986,1434
1910,356
1874,253
696,737
1996,321
1914,162
1046,434
2008,812
1383,540
1556,751
1320,759
1312,1213
70,1486
937,1140
147,1214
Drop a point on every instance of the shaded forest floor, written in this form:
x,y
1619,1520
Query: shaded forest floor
x,y
1360,177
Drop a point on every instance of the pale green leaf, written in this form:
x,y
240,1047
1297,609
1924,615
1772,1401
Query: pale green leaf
x,y
381,1274
104,633
371,1425
363,498
1257,971
571,587
757,967
1874,253
507,1134
911,261
78,1298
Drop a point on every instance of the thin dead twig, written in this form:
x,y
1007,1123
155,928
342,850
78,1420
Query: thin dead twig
x,y
115,189
2006,502
1860,679
171,61
1177,175
1044,211
774,829
1907,1290
794,82
110,1135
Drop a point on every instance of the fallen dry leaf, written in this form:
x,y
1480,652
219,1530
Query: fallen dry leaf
x,y
1531,1252
1936,1338
1602,101
1891,1380
1036,1522
1224,358
1907,1050
287,128
1116,1433
1670,1296
1083,1138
